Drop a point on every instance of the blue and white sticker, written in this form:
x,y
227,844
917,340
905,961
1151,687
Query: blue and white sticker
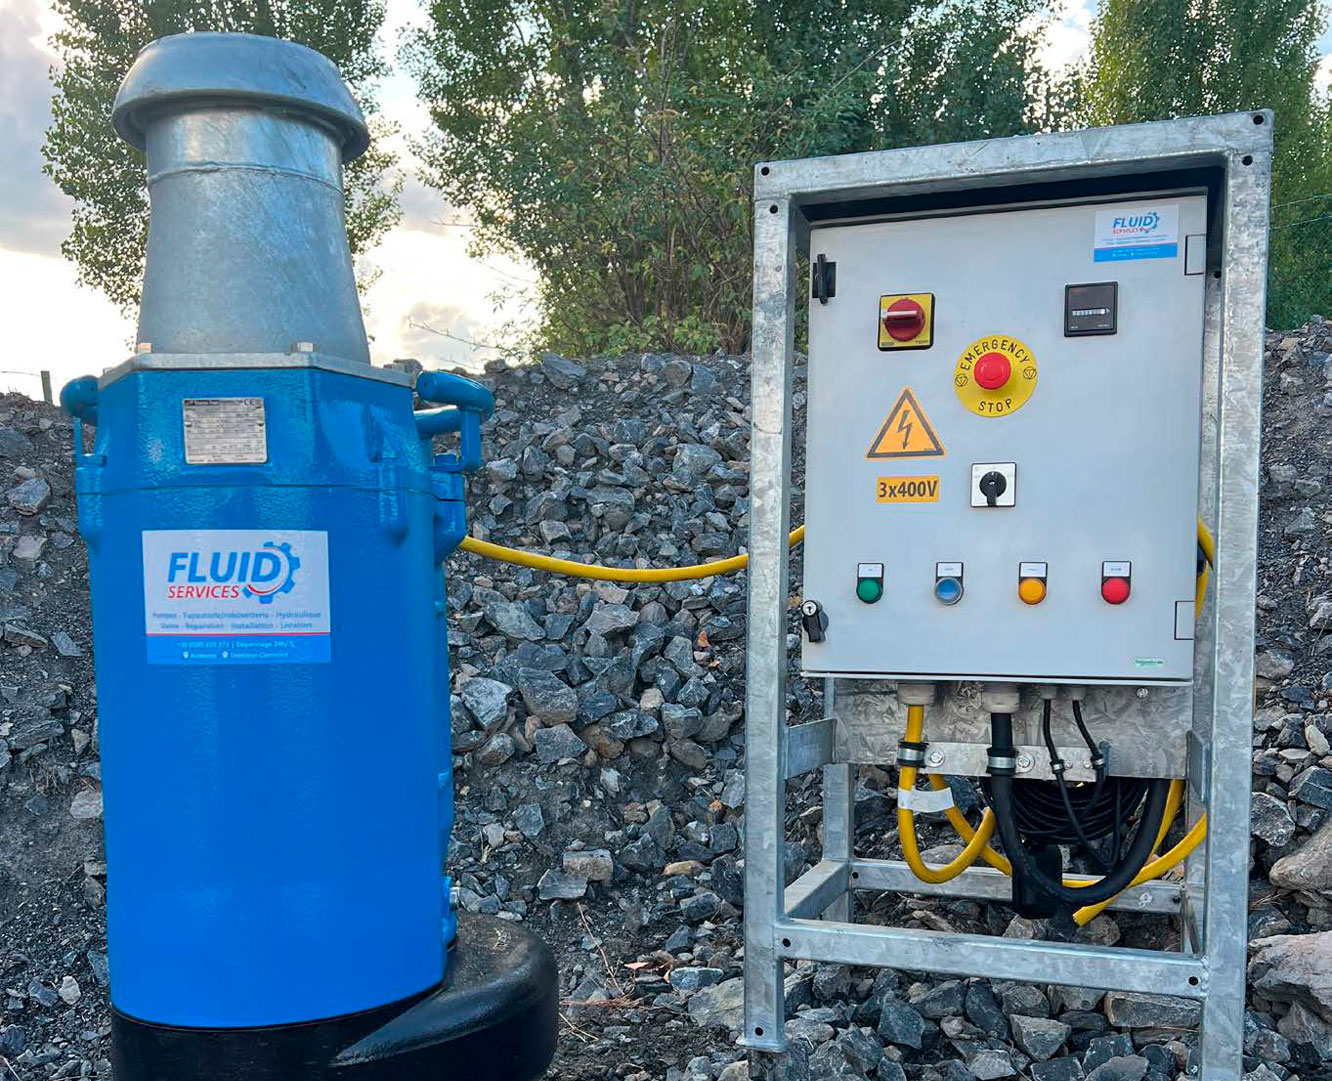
x,y
236,596
1137,232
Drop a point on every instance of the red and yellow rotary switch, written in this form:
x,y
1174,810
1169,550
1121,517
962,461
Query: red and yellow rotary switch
x,y
906,321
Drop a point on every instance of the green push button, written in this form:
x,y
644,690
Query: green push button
x,y
869,590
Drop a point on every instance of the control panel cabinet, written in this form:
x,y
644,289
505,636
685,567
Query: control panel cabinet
x,y
1003,443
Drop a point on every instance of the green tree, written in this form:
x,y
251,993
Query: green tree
x,y
106,177
610,143
1153,59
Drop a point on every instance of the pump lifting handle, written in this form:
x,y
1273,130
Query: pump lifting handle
x,y
466,403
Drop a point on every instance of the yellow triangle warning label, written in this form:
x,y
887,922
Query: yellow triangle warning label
x,y
906,433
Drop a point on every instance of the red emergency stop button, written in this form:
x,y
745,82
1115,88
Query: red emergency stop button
x,y
993,370
904,320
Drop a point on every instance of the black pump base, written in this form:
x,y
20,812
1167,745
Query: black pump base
x,y
493,1019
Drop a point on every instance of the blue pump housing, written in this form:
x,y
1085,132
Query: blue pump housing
x,y
275,738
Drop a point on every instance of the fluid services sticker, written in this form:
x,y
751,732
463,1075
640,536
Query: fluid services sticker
x,y
1136,232
236,596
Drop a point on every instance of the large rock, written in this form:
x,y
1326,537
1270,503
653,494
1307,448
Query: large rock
x,y
30,497
548,698
1039,1037
1126,1009
1270,821
899,1023
1295,968
1307,868
720,1006
560,742
487,700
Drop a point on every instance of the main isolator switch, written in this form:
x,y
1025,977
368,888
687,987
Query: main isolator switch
x,y
906,321
869,582
1031,582
1116,581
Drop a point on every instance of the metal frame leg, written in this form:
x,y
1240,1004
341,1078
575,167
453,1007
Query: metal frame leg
x,y
839,814
1225,904
769,579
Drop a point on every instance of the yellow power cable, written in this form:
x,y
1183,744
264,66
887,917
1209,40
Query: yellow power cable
x,y
906,822
1155,869
611,574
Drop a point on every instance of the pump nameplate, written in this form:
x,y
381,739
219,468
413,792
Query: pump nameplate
x,y
225,431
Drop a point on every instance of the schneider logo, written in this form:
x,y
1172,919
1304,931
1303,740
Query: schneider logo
x,y
262,573
1137,223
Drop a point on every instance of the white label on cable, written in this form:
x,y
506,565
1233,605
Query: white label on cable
x,y
925,801
1121,569
1033,570
948,570
225,431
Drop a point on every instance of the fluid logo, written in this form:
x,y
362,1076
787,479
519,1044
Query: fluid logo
x,y
1137,224
232,574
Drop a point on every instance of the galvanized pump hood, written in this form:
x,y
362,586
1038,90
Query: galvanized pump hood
x,y
247,262
238,69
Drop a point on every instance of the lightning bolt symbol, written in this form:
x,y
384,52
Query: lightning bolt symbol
x,y
904,426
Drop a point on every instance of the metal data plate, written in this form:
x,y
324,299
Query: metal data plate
x,y
1096,439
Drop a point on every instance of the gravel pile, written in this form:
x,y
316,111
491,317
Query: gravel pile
x,y
598,735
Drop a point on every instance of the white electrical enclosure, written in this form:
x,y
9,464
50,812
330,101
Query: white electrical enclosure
x,y
1058,351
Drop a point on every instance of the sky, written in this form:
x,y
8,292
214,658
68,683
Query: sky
x,y
429,292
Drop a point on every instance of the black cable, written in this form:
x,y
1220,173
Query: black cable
x,y
1097,758
1057,767
1003,804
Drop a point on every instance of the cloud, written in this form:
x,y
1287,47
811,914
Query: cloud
x,y
1067,33
35,214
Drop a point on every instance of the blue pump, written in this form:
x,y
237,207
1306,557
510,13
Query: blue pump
x,y
266,523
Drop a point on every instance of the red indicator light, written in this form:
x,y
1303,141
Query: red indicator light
x,y
904,320
993,370
1114,590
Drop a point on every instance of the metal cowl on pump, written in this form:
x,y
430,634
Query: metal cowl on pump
x,y
266,523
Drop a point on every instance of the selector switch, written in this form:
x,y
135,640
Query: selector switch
x,y
869,582
1116,581
994,484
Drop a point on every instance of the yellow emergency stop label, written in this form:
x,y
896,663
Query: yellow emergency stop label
x,y
907,433
907,490
995,375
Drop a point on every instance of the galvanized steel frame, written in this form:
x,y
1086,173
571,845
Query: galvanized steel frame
x,y
784,923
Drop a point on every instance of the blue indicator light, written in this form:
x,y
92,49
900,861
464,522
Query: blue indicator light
x,y
948,590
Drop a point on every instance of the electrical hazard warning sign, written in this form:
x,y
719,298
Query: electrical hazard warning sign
x,y
907,433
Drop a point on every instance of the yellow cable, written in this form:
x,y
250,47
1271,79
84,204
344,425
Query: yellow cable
x,y
977,843
1155,869
611,574
1208,546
